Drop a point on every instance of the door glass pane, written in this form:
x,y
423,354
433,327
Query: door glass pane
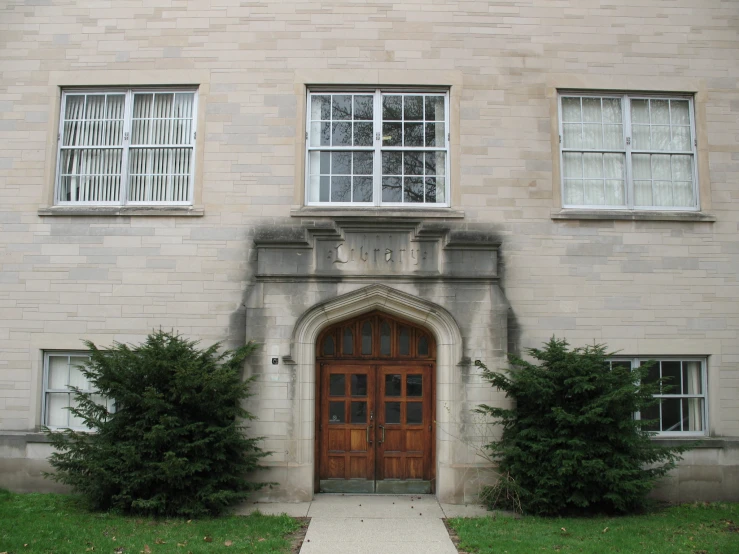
x,y
336,412
348,341
414,413
404,341
359,385
423,346
392,412
367,338
328,346
359,412
336,385
384,339
392,385
414,385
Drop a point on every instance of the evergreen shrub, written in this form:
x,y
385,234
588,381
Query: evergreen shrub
x,y
571,444
173,443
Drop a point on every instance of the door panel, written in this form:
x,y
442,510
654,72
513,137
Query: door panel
x,y
404,423
346,428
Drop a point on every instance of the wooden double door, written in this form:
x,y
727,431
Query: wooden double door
x,y
376,415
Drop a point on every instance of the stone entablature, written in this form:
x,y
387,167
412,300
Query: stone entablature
x,y
360,248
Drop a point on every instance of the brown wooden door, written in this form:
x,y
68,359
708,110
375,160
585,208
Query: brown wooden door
x,y
375,407
346,422
404,421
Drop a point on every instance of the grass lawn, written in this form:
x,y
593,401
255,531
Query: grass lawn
x,y
55,523
690,529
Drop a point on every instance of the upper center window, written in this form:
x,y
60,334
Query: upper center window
x,y
378,148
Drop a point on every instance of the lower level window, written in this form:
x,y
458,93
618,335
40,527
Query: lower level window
x,y
62,370
682,401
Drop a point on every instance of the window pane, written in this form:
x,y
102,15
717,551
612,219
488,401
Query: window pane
x,y
320,107
391,134
413,190
651,414
58,372
362,189
434,133
413,134
414,413
336,412
572,135
363,106
341,133
392,163
362,134
341,106
671,374
640,111
404,341
671,414
692,378
384,339
412,107
336,386
612,110
413,163
392,108
328,346
76,377
692,414
423,346
366,338
659,111
341,189
414,385
571,109
680,112
680,138
392,385
348,347
359,412
391,189
434,108
359,385
392,412
591,112
56,413
613,137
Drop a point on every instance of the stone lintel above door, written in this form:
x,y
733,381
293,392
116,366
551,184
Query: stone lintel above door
x,y
372,248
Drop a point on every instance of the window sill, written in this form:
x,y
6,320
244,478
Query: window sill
x,y
696,441
631,215
379,213
180,211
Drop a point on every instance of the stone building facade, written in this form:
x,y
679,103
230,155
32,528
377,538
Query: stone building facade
x,y
487,173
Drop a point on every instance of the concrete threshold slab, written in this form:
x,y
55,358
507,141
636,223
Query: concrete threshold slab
x,y
376,523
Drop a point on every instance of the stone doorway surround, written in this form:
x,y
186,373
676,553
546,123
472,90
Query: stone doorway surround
x,y
449,287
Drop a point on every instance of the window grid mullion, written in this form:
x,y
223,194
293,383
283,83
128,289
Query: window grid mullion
x,y
377,148
127,130
628,139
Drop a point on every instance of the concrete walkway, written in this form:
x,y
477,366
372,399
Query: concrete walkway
x,y
372,524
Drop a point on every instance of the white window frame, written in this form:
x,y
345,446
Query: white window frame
x,y
638,361
626,99
377,147
47,390
126,144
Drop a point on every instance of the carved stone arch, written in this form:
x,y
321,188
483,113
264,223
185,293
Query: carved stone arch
x,y
437,320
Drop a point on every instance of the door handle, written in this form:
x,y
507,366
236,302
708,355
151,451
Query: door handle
x,y
369,441
383,434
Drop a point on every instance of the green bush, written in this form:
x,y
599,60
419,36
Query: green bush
x,y
174,443
571,443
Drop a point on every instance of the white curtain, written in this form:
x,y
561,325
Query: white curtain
x,y
92,148
161,147
693,407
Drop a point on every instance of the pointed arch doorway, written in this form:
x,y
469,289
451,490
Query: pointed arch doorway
x,y
375,406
